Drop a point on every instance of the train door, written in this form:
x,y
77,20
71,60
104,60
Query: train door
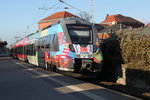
x,y
51,49
41,52
47,49
54,48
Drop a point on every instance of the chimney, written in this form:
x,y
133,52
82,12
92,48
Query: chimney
x,y
107,15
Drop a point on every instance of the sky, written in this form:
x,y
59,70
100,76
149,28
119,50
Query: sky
x,y
19,18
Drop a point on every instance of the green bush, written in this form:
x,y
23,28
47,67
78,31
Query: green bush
x,y
128,46
135,47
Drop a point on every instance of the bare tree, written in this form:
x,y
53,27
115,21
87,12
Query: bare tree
x,y
85,16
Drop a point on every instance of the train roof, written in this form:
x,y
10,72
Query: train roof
x,y
64,20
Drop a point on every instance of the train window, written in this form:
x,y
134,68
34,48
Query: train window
x,y
80,33
51,41
43,43
53,38
28,50
25,47
15,50
31,49
20,50
34,49
48,42
39,43
55,43
23,50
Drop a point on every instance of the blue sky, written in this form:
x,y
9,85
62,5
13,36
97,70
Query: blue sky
x,y
17,15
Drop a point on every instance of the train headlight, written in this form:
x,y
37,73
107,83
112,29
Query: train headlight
x,y
71,48
95,48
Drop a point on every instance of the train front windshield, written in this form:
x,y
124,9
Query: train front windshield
x,y
80,34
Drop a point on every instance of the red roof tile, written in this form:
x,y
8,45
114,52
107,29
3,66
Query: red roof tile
x,y
104,25
53,18
57,16
119,18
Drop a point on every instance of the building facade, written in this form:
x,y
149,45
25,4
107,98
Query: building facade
x,y
111,20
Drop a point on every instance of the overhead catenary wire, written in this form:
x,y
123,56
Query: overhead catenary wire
x,y
37,16
45,12
34,18
70,5
42,14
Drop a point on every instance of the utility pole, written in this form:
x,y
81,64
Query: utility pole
x,y
92,11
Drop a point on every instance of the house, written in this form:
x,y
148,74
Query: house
x,y
53,18
120,19
148,25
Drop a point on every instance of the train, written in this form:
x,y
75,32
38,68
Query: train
x,y
70,44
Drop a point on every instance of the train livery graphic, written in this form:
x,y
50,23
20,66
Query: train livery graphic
x,y
70,44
